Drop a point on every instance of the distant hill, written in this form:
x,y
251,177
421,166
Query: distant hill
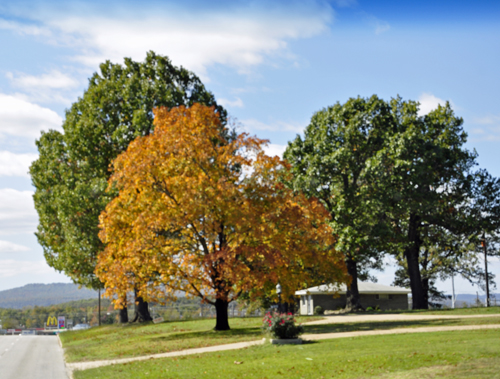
x,y
471,300
43,295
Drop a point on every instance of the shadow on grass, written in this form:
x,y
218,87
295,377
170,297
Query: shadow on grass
x,y
211,334
365,326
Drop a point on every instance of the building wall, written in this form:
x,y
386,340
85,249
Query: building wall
x,y
396,302
329,303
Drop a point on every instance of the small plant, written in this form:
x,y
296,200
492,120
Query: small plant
x,y
369,309
281,325
318,310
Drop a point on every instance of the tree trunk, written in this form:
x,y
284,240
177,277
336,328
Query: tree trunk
x,y
419,298
123,315
352,294
425,286
222,320
141,310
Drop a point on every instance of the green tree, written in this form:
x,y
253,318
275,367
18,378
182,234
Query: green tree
x,y
336,162
70,176
444,253
429,183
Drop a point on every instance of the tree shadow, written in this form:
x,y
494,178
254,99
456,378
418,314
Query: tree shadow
x,y
210,334
366,326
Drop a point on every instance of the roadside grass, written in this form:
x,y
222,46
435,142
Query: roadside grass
x,y
428,355
112,342
116,341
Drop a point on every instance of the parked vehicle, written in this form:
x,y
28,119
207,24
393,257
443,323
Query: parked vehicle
x,y
81,327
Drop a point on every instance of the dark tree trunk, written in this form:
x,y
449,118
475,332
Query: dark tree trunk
x,y
425,286
141,310
418,294
289,306
352,294
123,315
222,320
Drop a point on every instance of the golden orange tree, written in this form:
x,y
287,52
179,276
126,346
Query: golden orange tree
x,y
208,216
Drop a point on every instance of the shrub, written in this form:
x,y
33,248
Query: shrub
x,y
281,325
369,309
318,310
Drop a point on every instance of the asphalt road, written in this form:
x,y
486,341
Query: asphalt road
x,y
31,357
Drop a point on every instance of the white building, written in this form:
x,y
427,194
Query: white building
x,y
332,297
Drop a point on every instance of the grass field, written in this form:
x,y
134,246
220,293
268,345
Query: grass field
x,y
111,342
451,312
460,354
114,341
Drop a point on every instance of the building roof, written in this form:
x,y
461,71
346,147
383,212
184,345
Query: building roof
x,y
363,287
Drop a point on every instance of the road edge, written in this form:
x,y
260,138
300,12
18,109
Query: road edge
x,y
69,370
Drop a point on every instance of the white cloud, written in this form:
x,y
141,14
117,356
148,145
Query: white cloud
x,y
9,247
17,212
280,126
12,164
487,120
489,129
429,102
381,27
273,149
51,87
241,36
10,268
236,103
345,3
19,117
21,28
54,79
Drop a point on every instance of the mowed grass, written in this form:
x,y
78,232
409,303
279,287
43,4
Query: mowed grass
x,y
115,341
457,354
451,312
112,342
383,325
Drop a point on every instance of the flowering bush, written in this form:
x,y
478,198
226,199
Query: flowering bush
x,y
281,325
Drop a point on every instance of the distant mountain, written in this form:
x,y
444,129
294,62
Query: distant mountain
x,y
43,295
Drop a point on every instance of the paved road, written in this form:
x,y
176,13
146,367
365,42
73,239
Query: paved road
x,y
31,357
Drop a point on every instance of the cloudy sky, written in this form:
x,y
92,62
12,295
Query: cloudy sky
x,y
272,66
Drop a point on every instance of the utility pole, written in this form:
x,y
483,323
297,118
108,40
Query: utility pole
x,y
483,243
99,312
453,290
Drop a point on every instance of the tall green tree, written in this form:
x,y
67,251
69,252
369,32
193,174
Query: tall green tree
x,y
461,248
70,176
396,182
429,180
336,162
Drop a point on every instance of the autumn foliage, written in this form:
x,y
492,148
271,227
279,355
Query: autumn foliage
x,y
206,215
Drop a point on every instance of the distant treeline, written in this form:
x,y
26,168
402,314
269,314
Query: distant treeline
x,y
86,311
79,311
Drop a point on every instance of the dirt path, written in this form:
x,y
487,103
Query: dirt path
x,y
310,337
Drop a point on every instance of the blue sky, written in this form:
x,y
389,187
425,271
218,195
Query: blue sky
x,y
272,64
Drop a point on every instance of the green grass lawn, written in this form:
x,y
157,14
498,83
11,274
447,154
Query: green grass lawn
x,y
447,311
459,354
381,325
115,341
111,342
